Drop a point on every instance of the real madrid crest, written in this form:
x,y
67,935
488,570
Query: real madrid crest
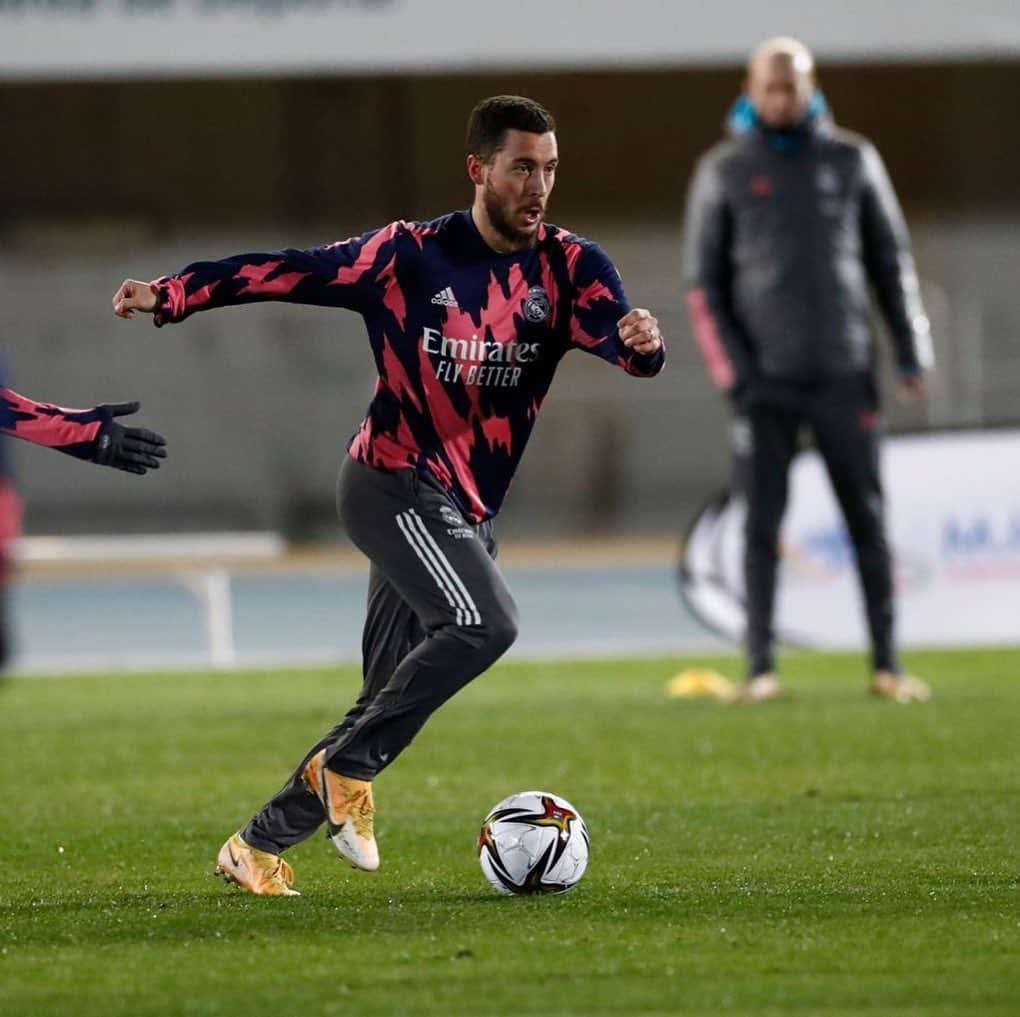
x,y
536,304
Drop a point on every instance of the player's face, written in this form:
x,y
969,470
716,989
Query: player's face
x,y
780,91
516,183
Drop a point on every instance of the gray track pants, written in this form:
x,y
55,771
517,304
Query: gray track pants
x,y
439,614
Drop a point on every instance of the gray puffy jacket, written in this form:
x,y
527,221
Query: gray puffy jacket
x,y
780,248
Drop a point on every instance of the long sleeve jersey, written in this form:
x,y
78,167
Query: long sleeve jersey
x,y
71,431
781,245
466,340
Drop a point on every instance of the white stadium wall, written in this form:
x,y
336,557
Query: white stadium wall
x,y
103,38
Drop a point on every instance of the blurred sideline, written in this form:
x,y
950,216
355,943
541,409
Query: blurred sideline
x,y
265,605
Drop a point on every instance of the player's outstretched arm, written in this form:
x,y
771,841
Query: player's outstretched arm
x,y
93,434
356,274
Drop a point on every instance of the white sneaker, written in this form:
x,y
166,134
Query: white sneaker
x,y
901,688
759,688
350,812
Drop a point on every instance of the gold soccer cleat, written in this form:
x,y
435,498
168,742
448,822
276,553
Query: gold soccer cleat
x,y
258,872
902,688
350,812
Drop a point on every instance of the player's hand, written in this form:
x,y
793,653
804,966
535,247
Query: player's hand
x,y
913,387
134,449
132,296
639,331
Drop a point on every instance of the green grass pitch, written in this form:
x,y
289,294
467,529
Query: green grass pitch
x,y
824,854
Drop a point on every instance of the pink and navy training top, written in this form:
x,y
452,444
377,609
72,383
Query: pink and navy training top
x,y
70,431
466,340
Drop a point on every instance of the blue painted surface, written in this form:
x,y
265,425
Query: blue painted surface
x,y
279,616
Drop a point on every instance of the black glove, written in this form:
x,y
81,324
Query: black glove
x,y
134,449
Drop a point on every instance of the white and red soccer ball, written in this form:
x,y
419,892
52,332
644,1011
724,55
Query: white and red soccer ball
x,y
533,842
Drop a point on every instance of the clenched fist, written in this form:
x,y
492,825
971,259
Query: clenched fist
x,y
132,296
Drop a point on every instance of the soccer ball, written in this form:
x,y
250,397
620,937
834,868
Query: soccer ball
x,y
533,842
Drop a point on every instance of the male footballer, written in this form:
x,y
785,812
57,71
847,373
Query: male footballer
x,y
468,317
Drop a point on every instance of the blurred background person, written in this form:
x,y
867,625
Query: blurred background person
x,y
788,222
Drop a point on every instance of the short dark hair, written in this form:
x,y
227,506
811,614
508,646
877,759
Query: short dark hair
x,y
493,117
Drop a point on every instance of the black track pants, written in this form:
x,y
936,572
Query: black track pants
x,y
439,614
842,419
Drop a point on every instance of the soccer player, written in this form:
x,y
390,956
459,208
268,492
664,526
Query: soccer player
x,y
468,317
787,224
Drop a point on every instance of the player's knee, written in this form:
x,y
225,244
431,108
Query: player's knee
x,y
501,630
488,634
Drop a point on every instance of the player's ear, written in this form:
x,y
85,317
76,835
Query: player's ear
x,y
475,168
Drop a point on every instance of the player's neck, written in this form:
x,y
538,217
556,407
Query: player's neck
x,y
499,242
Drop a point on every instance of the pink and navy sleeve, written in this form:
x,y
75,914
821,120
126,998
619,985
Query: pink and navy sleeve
x,y
71,431
353,274
599,304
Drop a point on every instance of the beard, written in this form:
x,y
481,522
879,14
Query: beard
x,y
499,213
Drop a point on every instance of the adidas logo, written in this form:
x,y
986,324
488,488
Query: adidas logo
x,y
445,297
